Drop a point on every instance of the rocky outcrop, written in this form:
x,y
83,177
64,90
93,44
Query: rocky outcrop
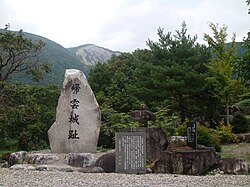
x,y
90,54
189,162
40,158
80,159
233,166
17,158
23,157
50,162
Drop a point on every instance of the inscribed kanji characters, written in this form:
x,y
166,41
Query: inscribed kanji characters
x,y
74,119
73,134
74,104
75,88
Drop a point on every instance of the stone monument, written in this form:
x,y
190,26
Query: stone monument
x,y
138,148
78,118
143,116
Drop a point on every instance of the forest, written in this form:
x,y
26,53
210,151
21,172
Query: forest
x,y
177,78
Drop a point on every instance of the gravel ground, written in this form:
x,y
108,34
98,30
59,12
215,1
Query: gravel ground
x,y
23,178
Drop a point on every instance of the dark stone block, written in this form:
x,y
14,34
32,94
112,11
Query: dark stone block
x,y
107,162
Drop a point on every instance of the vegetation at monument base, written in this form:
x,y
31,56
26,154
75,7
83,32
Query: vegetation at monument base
x,y
177,78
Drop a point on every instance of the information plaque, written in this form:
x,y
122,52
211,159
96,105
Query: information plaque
x,y
130,149
191,135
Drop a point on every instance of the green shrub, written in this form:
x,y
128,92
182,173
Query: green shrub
x,y
205,136
181,130
208,137
168,122
240,124
225,132
27,112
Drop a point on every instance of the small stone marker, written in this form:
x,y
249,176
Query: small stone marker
x,y
130,152
191,135
143,116
77,125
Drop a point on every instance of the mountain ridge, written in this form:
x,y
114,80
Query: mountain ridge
x,y
83,57
60,58
91,54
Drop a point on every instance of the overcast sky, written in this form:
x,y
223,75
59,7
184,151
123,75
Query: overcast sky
x,y
122,25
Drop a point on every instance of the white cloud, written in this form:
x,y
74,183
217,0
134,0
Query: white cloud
x,y
123,25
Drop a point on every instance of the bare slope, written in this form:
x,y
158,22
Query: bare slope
x,y
90,54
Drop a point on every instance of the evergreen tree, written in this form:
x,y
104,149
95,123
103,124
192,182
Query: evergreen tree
x,y
175,73
225,86
243,64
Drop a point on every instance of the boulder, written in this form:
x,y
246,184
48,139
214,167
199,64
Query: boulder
x,y
189,162
62,168
156,142
106,162
78,118
17,158
40,158
22,167
233,166
80,159
93,169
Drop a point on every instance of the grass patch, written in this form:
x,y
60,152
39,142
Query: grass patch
x,y
228,155
247,158
236,150
3,153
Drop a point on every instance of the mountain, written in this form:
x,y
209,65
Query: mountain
x,y
61,58
90,54
240,50
83,57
